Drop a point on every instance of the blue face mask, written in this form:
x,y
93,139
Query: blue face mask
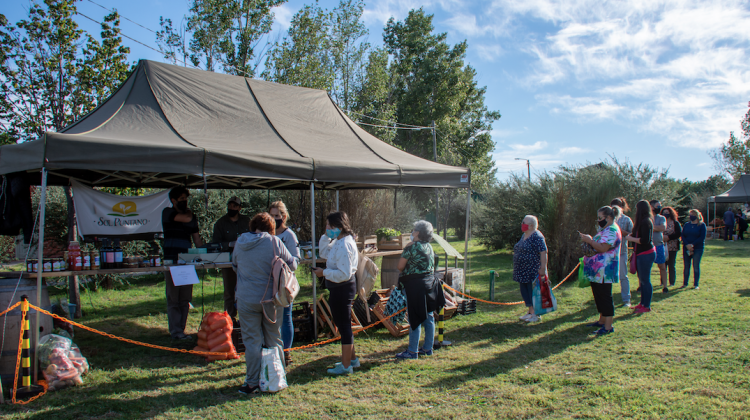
x,y
333,233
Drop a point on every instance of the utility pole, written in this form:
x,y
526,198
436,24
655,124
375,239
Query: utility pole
x,y
528,167
434,152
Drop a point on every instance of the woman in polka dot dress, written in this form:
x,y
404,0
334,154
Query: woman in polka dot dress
x,y
529,262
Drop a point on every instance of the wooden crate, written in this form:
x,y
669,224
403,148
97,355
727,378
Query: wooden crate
x,y
396,329
395,243
325,318
368,242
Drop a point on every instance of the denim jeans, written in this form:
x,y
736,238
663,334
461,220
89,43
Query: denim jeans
x,y
643,264
695,259
527,290
429,335
624,266
287,327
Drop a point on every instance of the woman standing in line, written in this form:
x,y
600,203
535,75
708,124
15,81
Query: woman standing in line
x,y
693,239
672,235
626,228
252,259
529,262
645,253
278,211
339,249
603,269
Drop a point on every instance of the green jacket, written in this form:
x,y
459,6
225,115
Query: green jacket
x,y
226,231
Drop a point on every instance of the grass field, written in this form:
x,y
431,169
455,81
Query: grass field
x,y
687,359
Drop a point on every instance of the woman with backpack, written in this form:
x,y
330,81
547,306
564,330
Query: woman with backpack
x,y
339,249
252,259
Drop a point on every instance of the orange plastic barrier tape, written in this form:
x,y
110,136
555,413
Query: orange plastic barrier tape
x,y
510,303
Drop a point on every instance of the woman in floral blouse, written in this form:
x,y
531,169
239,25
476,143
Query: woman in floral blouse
x,y
603,269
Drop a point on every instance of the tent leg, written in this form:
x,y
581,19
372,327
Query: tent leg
x,y
466,238
708,216
40,257
314,259
337,200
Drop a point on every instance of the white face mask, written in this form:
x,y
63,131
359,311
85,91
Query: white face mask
x,y
411,238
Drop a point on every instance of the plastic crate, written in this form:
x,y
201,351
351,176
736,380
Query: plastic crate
x,y
467,306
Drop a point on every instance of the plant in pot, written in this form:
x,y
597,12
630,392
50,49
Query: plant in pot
x,y
386,234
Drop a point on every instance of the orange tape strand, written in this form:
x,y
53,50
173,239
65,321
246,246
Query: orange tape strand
x,y
18,361
510,303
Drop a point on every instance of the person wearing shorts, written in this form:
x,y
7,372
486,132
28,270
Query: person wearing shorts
x,y
660,225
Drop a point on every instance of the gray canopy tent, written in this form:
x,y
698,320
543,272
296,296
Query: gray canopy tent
x,y
169,125
739,193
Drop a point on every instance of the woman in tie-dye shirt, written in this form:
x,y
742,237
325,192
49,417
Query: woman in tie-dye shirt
x,y
603,269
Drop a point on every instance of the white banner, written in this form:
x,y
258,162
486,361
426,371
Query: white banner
x,y
102,214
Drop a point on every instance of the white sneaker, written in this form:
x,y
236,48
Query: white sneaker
x,y
524,317
533,318
626,304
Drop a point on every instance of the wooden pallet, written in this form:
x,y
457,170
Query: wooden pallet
x,y
326,318
396,329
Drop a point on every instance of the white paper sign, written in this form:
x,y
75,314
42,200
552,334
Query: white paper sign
x,y
102,214
183,275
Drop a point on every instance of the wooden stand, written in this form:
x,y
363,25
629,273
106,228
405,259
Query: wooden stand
x,y
389,271
325,317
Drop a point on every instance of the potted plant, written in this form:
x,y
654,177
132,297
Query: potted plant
x,y
386,234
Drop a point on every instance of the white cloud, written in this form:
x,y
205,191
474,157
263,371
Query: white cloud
x,y
680,68
489,52
382,10
540,154
283,16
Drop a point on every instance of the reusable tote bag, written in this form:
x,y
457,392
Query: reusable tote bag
x,y
272,374
542,298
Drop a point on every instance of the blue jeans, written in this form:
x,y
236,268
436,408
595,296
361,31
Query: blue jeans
x,y
527,290
643,265
696,261
287,327
429,335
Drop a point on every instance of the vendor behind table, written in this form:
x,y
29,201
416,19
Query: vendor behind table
x,y
226,231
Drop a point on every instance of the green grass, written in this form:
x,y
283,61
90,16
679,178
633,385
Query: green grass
x,y
689,358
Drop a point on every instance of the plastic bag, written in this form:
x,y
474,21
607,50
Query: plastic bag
x,y
583,282
542,298
62,361
272,374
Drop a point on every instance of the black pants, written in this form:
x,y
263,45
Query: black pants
x,y
728,232
671,267
603,298
340,301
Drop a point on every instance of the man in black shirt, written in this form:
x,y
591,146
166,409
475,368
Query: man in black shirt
x,y
180,227
226,231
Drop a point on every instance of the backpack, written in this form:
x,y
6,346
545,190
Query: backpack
x,y
285,284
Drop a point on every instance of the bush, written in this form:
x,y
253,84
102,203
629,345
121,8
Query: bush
x,y
565,201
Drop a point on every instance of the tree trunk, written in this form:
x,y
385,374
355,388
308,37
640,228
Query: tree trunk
x,y
74,295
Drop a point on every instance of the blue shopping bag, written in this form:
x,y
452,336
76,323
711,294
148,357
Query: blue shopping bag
x,y
542,298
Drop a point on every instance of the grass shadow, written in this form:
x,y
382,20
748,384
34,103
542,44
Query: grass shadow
x,y
743,292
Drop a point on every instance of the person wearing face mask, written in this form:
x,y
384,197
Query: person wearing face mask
x,y
625,224
278,211
339,249
603,269
529,262
693,238
226,231
645,252
180,226
672,240
424,294
660,225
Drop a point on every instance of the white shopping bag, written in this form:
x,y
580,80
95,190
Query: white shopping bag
x,y
272,374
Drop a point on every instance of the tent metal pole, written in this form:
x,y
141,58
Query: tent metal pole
x,y
40,257
708,214
337,200
466,238
314,260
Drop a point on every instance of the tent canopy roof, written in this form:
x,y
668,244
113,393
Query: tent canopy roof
x,y
169,125
739,193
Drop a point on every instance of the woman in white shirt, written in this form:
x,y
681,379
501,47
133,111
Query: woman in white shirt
x,y
339,249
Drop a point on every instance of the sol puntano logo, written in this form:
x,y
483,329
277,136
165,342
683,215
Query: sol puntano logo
x,y
124,209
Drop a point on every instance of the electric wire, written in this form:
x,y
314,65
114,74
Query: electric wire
x,y
131,21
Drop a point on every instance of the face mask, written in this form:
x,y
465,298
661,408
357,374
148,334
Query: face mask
x,y
232,213
524,227
693,218
657,210
411,238
333,233
667,215
603,223
182,205
279,222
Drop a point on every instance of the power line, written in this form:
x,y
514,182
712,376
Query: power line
x,y
113,10
392,127
391,122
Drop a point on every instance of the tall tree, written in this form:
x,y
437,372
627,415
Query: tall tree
x,y
349,49
220,34
303,58
433,83
733,157
374,97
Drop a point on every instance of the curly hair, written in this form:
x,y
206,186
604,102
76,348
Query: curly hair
x,y
672,211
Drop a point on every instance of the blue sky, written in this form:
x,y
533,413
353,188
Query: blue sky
x,y
658,82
